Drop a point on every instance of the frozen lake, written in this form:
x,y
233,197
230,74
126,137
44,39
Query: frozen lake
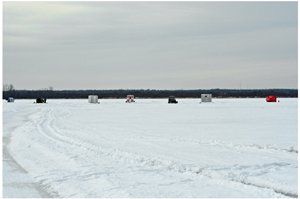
x,y
227,148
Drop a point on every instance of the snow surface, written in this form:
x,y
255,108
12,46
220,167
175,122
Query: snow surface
x,y
227,148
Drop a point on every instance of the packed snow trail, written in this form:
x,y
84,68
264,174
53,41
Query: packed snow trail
x,y
17,182
228,148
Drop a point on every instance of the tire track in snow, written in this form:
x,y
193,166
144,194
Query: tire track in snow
x,y
225,145
47,128
43,123
215,143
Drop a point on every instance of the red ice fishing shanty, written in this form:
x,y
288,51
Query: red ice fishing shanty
x,y
130,98
271,98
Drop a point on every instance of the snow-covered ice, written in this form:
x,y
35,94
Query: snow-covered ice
x,y
227,148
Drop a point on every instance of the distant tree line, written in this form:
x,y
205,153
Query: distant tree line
x,y
141,93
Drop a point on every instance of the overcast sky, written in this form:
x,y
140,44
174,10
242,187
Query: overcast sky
x,y
150,45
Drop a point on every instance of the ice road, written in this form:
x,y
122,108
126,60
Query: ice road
x,y
228,148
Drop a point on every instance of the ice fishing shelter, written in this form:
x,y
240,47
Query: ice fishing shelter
x,y
206,97
93,98
130,98
41,100
10,99
271,98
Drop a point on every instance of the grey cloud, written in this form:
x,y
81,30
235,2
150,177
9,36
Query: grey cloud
x,y
160,44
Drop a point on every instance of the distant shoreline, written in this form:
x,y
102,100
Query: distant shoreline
x,y
152,94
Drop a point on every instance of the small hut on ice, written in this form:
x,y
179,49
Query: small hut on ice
x,y
271,98
206,97
130,98
93,99
10,99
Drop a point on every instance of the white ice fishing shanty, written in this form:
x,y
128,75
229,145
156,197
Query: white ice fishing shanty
x,y
93,99
130,98
206,97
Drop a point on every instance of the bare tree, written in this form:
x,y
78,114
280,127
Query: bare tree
x,y
11,87
5,87
8,87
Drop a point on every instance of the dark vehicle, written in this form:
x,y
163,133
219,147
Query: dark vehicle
x,y
41,100
172,100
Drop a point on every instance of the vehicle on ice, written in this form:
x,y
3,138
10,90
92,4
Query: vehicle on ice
x,y
172,100
41,100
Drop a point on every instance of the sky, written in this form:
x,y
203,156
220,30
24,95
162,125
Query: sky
x,y
150,45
